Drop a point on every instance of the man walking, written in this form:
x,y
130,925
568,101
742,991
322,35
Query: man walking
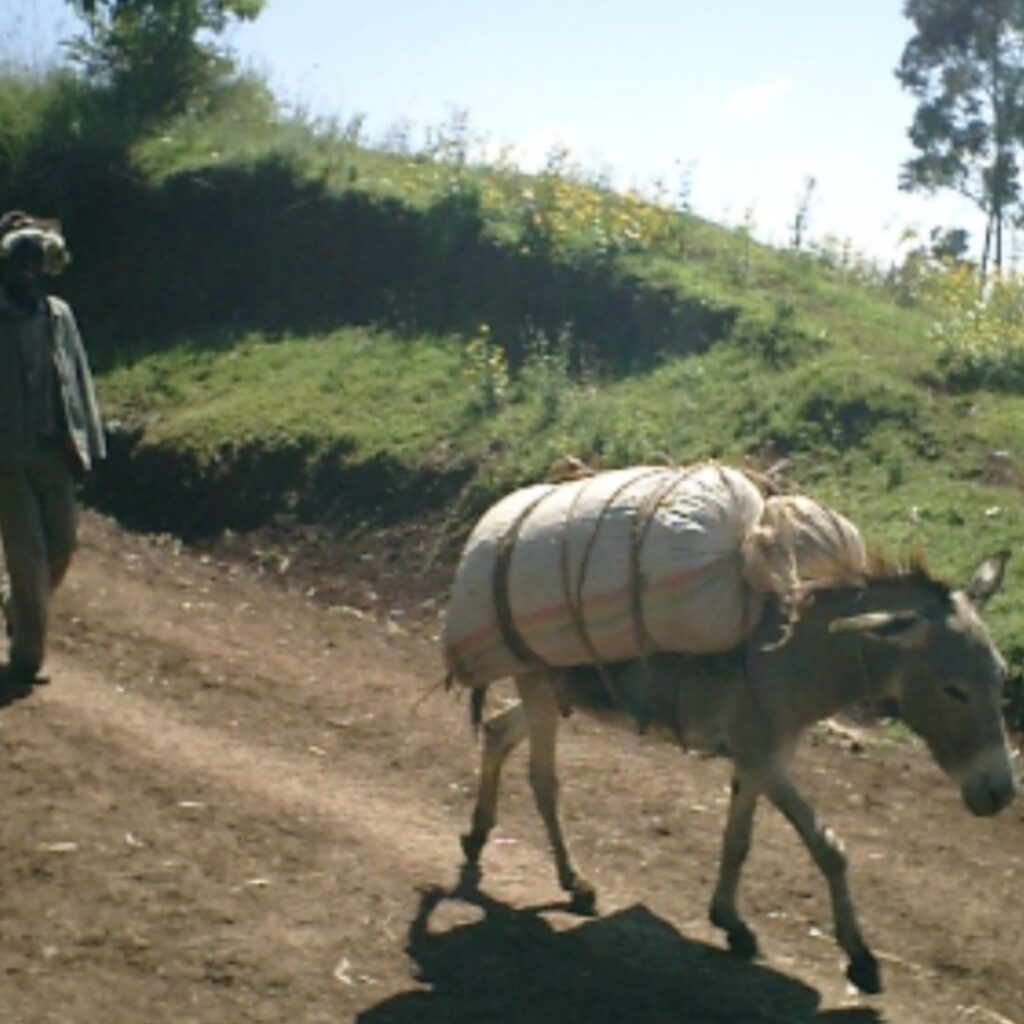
x,y
50,433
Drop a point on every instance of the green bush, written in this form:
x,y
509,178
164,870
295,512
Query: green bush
x,y
779,340
978,328
833,406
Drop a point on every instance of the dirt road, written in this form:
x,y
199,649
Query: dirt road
x,y
235,803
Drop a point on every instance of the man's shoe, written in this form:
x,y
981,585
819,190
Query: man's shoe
x,y
22,673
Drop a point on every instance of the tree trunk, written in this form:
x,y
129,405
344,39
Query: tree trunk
x,y
987,246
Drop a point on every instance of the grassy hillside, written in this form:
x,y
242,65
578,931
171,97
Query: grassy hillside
x,y
286,319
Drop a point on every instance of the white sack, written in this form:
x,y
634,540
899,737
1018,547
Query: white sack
x,y
605,568
796,541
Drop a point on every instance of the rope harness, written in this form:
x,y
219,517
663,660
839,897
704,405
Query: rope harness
x,y
646,511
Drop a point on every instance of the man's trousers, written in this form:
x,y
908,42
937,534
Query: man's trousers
x,y
38,523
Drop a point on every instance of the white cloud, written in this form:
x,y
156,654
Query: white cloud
x,y
758,99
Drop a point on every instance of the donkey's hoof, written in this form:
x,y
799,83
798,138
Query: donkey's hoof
x,y
743,943
863,972
472,845
583,898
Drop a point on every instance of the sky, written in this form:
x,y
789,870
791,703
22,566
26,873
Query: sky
x,y
736,102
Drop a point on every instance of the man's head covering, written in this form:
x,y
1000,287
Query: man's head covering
x,y
18,230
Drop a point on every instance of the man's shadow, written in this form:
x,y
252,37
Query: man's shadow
x,y
495,963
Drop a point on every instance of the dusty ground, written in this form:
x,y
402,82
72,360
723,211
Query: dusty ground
x,y
237,803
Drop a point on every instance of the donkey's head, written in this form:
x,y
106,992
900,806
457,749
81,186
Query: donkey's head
x,y
948,679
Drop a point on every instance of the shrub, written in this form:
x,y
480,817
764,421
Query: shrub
x,y
978,328
780,340
836,407
544,377
485,367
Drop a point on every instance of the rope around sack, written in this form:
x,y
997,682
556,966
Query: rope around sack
x,y
646,511
576,605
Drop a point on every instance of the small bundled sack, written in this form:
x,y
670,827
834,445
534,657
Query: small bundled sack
x,y
797,541
605,568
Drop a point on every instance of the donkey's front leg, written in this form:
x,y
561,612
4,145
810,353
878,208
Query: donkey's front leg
x,y
828,854
540,703
735,847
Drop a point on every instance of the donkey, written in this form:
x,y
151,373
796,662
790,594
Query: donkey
x,y
891,633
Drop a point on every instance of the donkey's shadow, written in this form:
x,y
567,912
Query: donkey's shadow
x,y
491,962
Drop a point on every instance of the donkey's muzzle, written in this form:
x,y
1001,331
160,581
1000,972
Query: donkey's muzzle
x,y
989,792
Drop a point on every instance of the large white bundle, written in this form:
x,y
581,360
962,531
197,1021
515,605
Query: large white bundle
x,y
605,568
796,541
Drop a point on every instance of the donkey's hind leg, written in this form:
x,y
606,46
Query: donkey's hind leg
x,y
540,702
735,847
502,734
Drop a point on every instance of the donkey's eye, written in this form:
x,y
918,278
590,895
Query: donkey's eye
x,y
955,693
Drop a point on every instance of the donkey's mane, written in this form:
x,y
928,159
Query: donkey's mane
x,y
909,569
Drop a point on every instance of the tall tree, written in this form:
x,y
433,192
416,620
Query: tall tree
x,y
156,55
965,65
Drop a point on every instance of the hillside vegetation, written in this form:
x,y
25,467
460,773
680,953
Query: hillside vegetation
x,y
289,322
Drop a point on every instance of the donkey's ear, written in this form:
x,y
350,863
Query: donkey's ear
x,y
987,578
904,629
